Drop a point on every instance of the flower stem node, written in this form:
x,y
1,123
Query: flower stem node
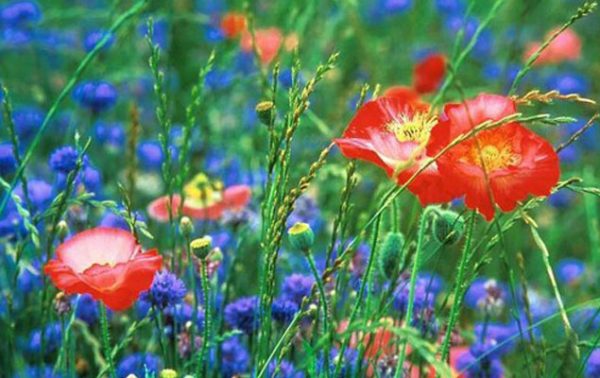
x,y
448,227
186,227
391,254
168,373
201,246
301,236
264,110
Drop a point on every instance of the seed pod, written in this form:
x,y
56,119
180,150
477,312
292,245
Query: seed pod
x,y
201,247
301,236
264,110
448,227
391,254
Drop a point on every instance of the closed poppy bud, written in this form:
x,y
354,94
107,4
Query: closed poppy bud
x,y
62,303
301,236
62,230
448,227
201,246
216,255
168,373
391,253
186,227
264,110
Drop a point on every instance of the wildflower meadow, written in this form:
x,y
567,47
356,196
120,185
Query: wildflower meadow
x,y
298,189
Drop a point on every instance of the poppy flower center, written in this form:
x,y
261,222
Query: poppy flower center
x,y
201,189
492,157
415,128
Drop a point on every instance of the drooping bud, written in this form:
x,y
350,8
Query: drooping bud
x,y
391,254
448,227
264,110
62,304
301,236
186,227
201,247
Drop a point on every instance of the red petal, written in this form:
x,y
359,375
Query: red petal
x,y
429,73
159,209
233,24
268,42
237,196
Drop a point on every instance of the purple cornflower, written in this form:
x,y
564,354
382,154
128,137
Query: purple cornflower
x,y
27,121
166,290
471,367
486,294
138,364
93,38
286,370
95,95
64,159
53,339
592,368
87,309
568,82
297,286
150,154
283,310
18,13
8,164
569,271
235,358
243,314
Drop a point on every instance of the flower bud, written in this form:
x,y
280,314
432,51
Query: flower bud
x,y
186,227
391,254
216,255
448,227
168,373
201,247
264,110
301,236
62,230
62,304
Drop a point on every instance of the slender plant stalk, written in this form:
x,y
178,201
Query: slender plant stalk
x,y
207,315
106,341
458,288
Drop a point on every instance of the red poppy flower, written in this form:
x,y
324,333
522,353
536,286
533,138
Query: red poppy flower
x,y
517,161
429,73
407,95
392,134
566,47
268,43
233,24
106,263
204,200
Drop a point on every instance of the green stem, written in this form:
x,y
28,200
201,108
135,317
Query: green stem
x,y
413,283
106,341
546,258
458,288
207,312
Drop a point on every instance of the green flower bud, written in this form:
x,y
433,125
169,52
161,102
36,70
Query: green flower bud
x,y
448,227
216,255
201,247
301,236
186,227
391,254
62,230
264,110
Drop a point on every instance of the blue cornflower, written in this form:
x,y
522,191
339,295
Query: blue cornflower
x,y
243,314
110,134
470,367
217,79
27,121
586,320
561,199
29,279
235,358
297,286
484,44
213,34
286,370
422,299
150,155
592,368
53,339
306,210
16,38
285,78
348,365
18,13
93,38
498,334
589,140
244,62
539,305
91,179
11,224
87,309
40,193
166,290
569,155
450,7
95,95
395,6
138,364
64,159
568,83
283,310
486,294
160,36
570,270
432,282
8,164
